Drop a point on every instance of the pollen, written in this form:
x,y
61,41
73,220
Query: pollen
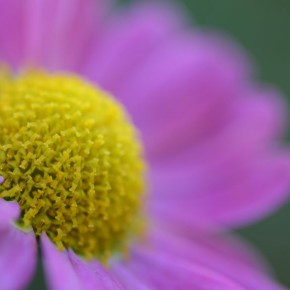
x,y
72,159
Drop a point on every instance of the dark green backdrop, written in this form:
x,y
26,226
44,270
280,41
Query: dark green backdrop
x,y
263,28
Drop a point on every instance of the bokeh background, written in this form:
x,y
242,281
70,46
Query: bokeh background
x,y
262,27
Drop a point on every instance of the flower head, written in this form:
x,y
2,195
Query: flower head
x,y
71,162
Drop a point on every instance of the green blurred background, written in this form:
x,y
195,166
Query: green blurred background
x,y
262,27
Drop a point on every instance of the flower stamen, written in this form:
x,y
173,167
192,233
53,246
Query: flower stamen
x,y
72,160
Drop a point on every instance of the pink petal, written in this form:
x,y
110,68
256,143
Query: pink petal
x,y
18,254
66,271
266,189
29,37
9,212
59,271
230,257
93,275
11,25
210,106
252,122
161,271
232,176
129,279
129,38
143,43
186,87
226,197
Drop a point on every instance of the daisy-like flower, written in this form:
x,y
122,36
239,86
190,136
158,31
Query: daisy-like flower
x,y
128,144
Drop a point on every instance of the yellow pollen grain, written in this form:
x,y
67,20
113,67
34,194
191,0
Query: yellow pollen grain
x,y
71,158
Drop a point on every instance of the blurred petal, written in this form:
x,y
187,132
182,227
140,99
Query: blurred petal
x,y
18,254
228,196
230,257
11,25
209,107
128,39
66,271
208,131
29,37
232,176
129,279
266,188
164,271
186,87
93,275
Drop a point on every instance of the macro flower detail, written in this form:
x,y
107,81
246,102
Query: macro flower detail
x,y
72,161
129,144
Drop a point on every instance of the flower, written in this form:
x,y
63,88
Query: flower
x,y
210,137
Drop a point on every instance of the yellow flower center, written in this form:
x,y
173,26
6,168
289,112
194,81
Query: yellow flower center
x,y
71,158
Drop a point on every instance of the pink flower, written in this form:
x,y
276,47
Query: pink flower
x,y
210,133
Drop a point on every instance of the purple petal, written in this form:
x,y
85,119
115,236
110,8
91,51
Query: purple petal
x,y
161,271
203,80
208,122
65,271
93,275
18,254
9,212
223,254
11,23
128,39
59,271
224,197
231,176
29,37
129,279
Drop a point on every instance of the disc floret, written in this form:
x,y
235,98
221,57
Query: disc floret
x,y
71,158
